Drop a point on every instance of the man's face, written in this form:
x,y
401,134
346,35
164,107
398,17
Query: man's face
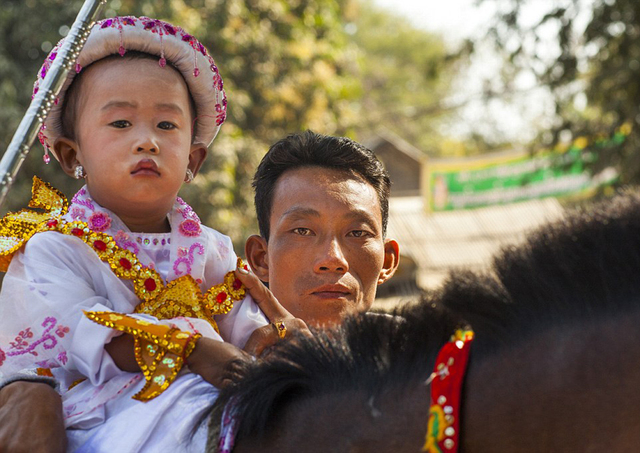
x,y
326,254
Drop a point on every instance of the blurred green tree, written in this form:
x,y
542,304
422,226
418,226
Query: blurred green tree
x,y
406,74
334,66
587,53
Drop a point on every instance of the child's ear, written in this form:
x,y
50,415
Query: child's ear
x,y
197,155
66,151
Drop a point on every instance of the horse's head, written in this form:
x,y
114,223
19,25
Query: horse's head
x,y
554,366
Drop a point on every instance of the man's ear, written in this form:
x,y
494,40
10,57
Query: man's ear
x,y
197,155
257,253
391,260
66,151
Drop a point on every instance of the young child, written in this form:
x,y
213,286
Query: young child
x,y
134,119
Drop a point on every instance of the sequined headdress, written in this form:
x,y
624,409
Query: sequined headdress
x,y
118,35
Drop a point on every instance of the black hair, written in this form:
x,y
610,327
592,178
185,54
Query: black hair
x,y
309,149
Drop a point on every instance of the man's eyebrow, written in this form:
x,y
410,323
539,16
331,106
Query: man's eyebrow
x,y
355,214
300,211
363,215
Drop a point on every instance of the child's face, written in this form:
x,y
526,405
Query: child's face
x,y
133,137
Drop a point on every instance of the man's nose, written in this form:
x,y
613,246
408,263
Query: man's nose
x,y
332,258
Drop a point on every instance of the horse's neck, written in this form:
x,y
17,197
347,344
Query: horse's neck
x,y
567,389
349,422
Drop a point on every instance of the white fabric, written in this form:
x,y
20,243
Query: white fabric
x,y
56,277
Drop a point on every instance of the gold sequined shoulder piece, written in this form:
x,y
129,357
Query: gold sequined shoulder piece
x,y
16,228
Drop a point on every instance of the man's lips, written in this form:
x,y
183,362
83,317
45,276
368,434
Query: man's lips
x,y
146,167
331,291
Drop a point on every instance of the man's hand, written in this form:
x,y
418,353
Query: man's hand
x,y
31,419
219,363
264,337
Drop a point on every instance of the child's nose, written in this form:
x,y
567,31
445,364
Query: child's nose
x,y
147,144
149,149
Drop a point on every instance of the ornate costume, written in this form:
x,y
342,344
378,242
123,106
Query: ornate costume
x,y
88,260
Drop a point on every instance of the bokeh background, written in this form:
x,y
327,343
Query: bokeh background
x,y
445,87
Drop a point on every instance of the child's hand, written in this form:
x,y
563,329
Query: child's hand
x,y
217,362
264,337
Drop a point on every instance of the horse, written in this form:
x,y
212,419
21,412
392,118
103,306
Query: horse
x,y
554,365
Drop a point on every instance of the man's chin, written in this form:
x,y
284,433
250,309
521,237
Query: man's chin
x,y
327,312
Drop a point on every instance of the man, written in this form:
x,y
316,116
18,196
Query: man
x,y
322,208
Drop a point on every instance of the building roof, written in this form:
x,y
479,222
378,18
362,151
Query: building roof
x,y
384,136
441,241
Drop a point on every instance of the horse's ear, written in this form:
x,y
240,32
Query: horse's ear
x,y
255,249
391,260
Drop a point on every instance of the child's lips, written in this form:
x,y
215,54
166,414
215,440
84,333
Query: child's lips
x,y
146,167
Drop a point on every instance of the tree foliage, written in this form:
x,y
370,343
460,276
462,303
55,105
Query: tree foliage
x,y
587,53
406,73
288,65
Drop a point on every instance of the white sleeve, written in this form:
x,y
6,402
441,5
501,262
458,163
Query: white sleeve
x,y
46,289
237,326
245,316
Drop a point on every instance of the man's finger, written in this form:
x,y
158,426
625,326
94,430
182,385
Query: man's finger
x,y
260,339
262,296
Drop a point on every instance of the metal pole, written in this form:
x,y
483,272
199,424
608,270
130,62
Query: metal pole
x,y
43,100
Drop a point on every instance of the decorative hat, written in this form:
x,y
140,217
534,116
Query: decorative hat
x,y
118,35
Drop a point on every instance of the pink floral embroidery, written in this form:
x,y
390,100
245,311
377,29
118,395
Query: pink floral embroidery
x,y
62,358
158,26
124,241
187,261
118,22
21,340
189,228
99,221
77,199
187,211
3,356
21,344
47,364
61,331
78,213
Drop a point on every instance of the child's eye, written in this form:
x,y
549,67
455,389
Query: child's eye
x,y
120,124
166,125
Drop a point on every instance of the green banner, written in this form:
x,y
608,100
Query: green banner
x,y
514,177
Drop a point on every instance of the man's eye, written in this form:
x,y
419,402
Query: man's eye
x,y
121,124
166,125
358,233
302,231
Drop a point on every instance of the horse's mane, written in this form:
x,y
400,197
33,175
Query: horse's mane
x,y
582,268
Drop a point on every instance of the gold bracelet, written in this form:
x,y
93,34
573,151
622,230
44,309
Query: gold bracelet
x,y
160,350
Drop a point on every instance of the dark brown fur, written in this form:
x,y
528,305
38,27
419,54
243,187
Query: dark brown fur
x,y
555,365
